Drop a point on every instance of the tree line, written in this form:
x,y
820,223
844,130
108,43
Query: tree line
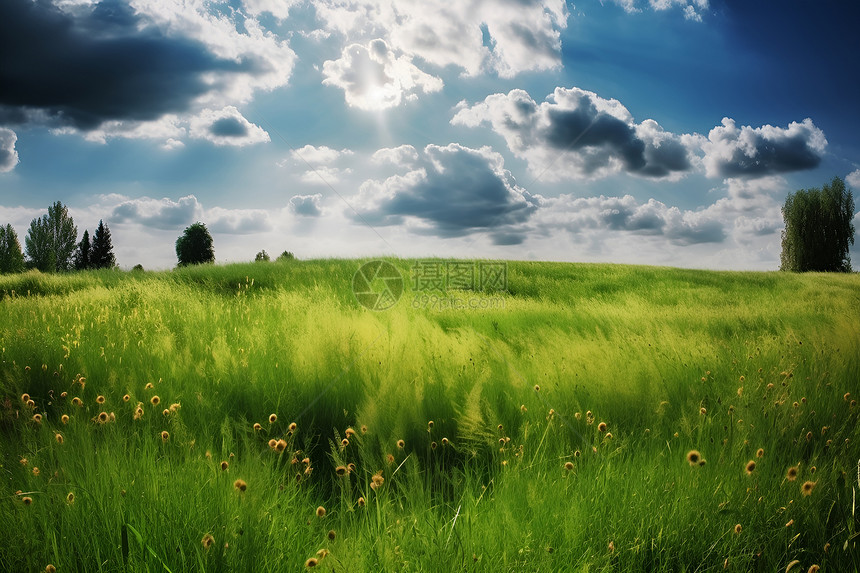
x,y
51,245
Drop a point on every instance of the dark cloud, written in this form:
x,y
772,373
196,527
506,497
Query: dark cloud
x,y
458,190
159,214
228,127
98,65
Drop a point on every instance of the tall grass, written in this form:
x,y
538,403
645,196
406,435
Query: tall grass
x,y
670,360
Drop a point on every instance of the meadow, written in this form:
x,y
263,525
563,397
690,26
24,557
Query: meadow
x,y
255,417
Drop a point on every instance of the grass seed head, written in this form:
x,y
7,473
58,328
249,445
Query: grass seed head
x,y
207,541
807,487
738,528
155,400
759,453
791,474
750,467
331,534
59,438
100,399
273,418
240,485
257,427
126,398
568,466
26,500
281,445
224,466
165,436
70,498
693,457
50,568
312,562
320,511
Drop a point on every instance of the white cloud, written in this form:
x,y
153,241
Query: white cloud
x,y
373,77
524,35
402,155
692,8
853,179
8,153
226,126
306,205
321,155
280,9
157,213
324,175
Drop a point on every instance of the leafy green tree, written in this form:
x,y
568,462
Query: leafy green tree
x,y
11,257
262,257
195,246
286,256
818,229
102,255
51,240
83,252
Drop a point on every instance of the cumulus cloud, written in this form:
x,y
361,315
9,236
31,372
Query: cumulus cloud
x,y
524,35
306,205
853,179
453,191
112,65
402,155
324,175
159,213
576,134
319,155
692,8
226,126
8,153
373,77
237,221
754,152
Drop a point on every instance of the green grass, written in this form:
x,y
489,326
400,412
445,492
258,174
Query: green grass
x,y
671,360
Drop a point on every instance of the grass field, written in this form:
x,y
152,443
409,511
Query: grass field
x,y
550,431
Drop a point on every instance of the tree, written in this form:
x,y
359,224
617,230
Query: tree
x,y
11,258
286,256
194,246
51,240
818,229
262,257
83,253
102,256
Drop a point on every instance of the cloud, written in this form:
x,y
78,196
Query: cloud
x,y
237,221
374,78
754,152
324,175
226,127
280,9
319,155
692,8
521,35
402,155
306,205
112,66
576,134
8,154
159,213
853,179
454,191
627,214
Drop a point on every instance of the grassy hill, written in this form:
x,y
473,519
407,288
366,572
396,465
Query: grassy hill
x,y
544,428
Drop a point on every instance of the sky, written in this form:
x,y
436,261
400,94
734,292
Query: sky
x,y
664,132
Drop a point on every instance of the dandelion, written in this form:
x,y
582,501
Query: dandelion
x,y
750,467
791,474
759,453
100,399
240,485
27,500
738,529
601,427
70,498
807,487
320,511
37,418
292,427
103,417
340,470
312,562
361,502
257,427
224,466
693,457
207,541
331,535
273,418
126,398
401,444
165,436
59,438
568,466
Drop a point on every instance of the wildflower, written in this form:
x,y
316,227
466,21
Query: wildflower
x,y
350,467
550,414
568,466
100,399
165,412
433,445
25,397
807,487
401,444
31,404
430,425
306,461
770,386
312,562
50,568
361,502
331,534
389,458
292,427
322,553
791,474
320,511
845,397
693,457
207,541
257,427
444,441
340,470
702,411
148,386
224,466
824,430
349,433
601,427
59,438
70,498
792,565
812,469
759,453
363,429
750,467
273,443
273,418
344,443
175,406
103,417
576,454
281,445
813,569
37,418
64,395
789,524
126,398
240,485
827,548
738,528
742,378
138,413
808,436
578,415
611,546
23,461
741,391
155,400
537,388
165,436
27,500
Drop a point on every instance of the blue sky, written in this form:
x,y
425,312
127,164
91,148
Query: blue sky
x,y
639,131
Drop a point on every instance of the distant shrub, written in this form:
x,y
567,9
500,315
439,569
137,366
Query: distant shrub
x,y
286,256
262,257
